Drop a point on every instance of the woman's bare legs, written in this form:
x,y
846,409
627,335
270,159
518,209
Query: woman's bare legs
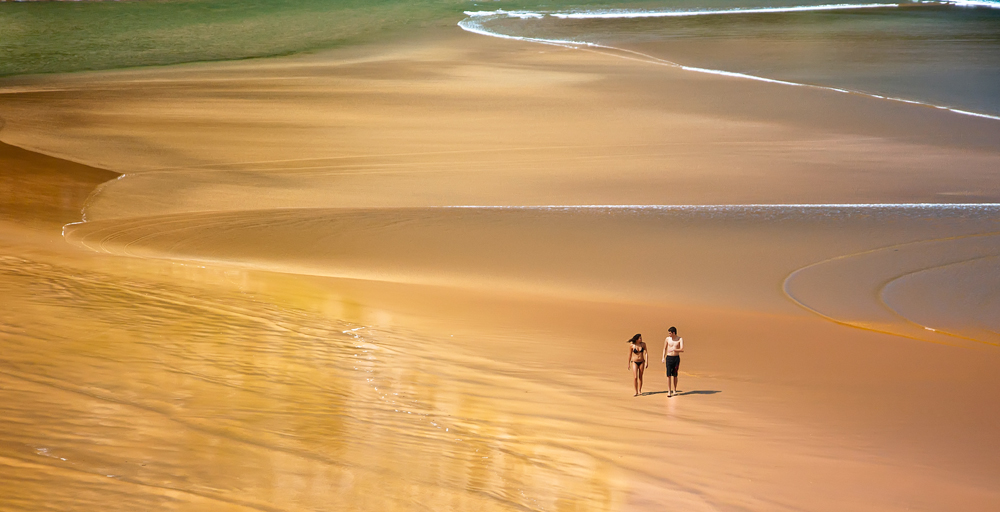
x,y
637,371
637,377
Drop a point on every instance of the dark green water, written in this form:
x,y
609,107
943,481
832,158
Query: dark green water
x,y
47,37
52,37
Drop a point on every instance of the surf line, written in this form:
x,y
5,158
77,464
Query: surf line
x,y
474,24
710,12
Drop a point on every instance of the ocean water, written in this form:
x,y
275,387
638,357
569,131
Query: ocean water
x,y
944,54
939,54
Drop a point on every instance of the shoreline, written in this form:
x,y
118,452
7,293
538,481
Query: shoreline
x,y
473,23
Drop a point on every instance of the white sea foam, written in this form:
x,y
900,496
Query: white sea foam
x,y
746,76
975,114
973,3
712,12
510,14
471,24
474,24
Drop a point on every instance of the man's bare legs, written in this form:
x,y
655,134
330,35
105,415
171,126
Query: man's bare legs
x,y
672,347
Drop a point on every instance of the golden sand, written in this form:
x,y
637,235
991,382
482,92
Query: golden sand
x,y
273,310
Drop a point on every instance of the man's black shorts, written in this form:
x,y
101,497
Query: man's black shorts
x,y
673,364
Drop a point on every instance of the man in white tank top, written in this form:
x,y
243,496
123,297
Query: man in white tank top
x,y
672,348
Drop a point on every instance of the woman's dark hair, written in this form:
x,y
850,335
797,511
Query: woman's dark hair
x,y
635,338
673,330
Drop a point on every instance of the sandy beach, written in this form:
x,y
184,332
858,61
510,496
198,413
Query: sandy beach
x,y
401,275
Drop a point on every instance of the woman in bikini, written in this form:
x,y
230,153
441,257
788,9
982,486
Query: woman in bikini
x,y
637,360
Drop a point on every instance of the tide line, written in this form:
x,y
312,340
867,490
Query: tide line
x,y
972,3
712,12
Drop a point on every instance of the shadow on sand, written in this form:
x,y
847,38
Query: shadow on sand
x,y
682,393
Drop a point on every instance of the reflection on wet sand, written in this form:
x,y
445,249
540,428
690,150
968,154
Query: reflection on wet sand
x,y
184,387
194,397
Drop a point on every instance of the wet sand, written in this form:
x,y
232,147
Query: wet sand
x,y
272,310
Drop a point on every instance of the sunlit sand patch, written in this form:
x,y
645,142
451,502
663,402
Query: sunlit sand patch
x,y
206,397
218,374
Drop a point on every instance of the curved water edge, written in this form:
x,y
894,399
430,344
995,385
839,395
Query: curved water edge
x,y
477,20
853,289
959,299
